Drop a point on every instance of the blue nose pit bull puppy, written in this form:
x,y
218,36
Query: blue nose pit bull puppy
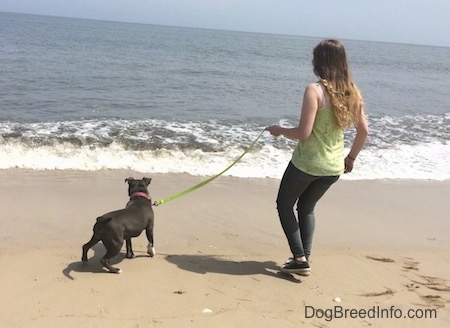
x,y
114,227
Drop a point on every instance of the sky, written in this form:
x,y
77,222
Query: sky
x,y
399,21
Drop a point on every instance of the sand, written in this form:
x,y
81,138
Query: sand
x,y
381,252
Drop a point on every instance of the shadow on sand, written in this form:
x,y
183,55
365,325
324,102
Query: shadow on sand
x,y
200,264
93,265
203,264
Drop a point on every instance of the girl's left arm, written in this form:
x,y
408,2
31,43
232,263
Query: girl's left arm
x,y
362,131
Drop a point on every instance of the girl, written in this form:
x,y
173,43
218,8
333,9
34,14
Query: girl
x,y
330,105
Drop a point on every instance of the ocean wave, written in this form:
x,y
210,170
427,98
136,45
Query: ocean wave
x,y
206,148
427,161
148,134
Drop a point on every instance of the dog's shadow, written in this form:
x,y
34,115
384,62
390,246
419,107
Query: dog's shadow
x,y
93,265
203,264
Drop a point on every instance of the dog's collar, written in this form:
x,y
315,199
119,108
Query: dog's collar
x,y
141,194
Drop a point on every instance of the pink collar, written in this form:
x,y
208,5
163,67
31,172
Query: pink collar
x,y
141,194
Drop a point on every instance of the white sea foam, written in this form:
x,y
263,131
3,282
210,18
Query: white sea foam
x,y
427,161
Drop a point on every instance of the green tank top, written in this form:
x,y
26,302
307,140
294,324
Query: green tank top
x,y
322,153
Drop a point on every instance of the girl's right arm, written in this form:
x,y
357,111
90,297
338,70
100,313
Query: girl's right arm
x,y
308,113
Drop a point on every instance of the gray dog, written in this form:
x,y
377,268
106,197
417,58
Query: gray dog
x,y
114,227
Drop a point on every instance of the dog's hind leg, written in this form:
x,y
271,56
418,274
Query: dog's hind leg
x,y
151,245
112,249
105,262
129,254
96,237
94,240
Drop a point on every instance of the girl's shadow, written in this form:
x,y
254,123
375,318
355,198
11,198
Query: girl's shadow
x,y
203,264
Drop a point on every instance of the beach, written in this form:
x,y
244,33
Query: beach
x,y
109,100
380,255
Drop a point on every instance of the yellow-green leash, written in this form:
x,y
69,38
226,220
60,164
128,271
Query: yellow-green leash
x,y
187,191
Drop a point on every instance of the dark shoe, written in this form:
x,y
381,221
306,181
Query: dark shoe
x,y
301,268
289,260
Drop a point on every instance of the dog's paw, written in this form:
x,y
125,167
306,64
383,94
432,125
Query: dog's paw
x,y
151,250
114,270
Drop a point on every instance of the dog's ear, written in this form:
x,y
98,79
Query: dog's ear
x,y
147,180
130,179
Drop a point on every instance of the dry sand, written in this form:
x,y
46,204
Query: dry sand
x,y
379,246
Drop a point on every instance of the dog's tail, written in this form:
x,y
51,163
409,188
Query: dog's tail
x,y
98,226
103,219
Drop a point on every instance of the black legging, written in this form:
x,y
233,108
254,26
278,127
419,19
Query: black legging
x,y
306,190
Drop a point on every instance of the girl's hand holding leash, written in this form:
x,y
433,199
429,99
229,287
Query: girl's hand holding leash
x,y
274,130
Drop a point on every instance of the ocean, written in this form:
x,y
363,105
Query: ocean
x,y
95,95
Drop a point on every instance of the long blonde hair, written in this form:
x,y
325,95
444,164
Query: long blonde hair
x,y
330,65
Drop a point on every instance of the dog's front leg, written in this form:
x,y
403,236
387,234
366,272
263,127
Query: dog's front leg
x,y
150,246
129,254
